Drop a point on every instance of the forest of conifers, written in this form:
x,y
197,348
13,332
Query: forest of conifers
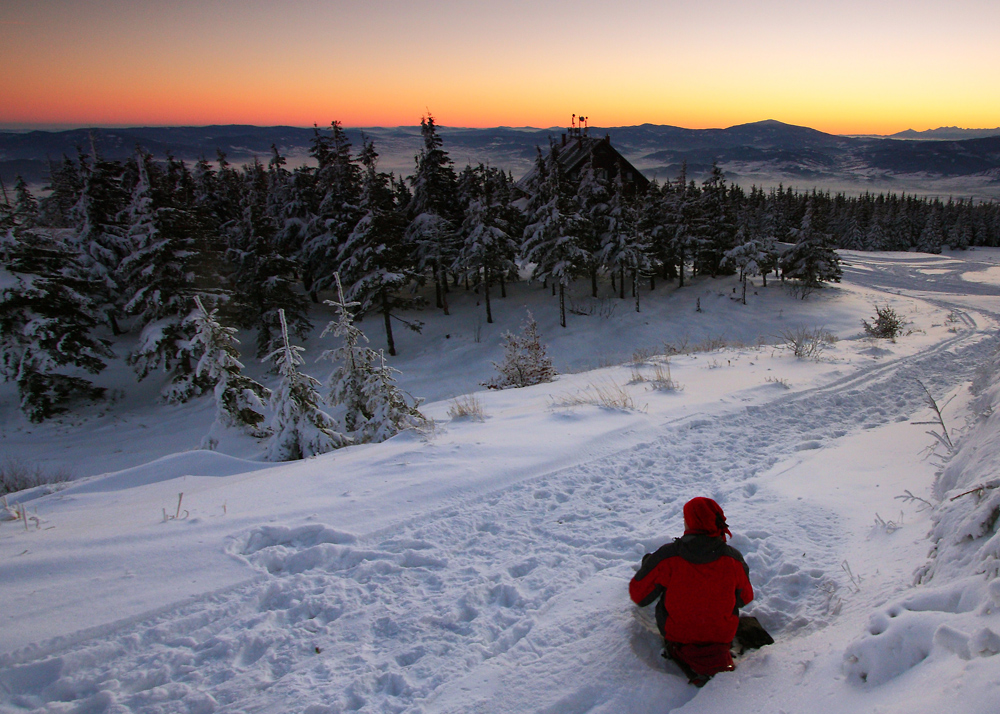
x,y
124,247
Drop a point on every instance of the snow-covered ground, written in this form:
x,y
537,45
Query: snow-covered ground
x,y
483,566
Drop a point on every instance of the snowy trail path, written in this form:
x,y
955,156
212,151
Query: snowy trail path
x,y
390,622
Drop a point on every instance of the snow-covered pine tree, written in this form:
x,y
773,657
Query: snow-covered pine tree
x,y
352,362
391,409
25,209
46,326
300,428
434,211
338,186
239,400
63,191
960,232
682,220
593,197
746,257
853,236
716,228
100,236
263,278
623,249
652,223
812,260
552,238
489,247
932,235
157,279
525,361
375,260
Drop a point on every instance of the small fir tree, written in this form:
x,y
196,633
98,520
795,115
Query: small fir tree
x,y
239,400
353,361
300,427
392,410
525,361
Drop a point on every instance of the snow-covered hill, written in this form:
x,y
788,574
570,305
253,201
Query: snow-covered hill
x,y
483,566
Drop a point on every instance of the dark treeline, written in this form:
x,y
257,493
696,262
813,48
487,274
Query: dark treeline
x,y
125,246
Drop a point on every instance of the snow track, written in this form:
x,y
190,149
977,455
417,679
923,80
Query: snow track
x,y
391,622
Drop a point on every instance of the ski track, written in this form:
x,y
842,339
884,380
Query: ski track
x,y
379,624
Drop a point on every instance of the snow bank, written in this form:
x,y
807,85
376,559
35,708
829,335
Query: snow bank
x,y
950,621
189,463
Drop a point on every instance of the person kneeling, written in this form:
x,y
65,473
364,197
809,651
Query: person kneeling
x,y
701,583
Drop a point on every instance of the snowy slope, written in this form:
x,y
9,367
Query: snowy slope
x,y
483,566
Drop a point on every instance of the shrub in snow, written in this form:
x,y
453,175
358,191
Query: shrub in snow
x,y
609,395
467,407
805,343
301,429
887,324
16,475
239,400
524,361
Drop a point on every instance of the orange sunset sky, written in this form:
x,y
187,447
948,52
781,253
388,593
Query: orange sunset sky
x,y
845,66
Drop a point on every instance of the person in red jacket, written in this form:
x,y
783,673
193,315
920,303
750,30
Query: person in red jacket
x,y
701,583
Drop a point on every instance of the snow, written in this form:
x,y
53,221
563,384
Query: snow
x,y
482,566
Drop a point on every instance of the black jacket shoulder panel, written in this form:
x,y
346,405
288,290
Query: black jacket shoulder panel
x,y
738,557
701,549
651,560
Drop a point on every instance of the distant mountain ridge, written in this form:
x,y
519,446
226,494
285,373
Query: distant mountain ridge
x,y
946,133
764,152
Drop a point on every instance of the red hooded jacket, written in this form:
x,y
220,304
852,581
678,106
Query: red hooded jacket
x,y
701,581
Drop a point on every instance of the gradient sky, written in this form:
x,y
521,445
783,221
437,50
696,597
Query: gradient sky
x,y
842,66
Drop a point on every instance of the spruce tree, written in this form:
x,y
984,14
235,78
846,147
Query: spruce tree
x,y
391,409
433,211
263,279
812,260
375,260
716,229
239,400
352,362
553,236
488,230
682,221
157,279
300,428
64,189
47,325
932,235
25,208
525,361
100,236
623,249
593,197
338,186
